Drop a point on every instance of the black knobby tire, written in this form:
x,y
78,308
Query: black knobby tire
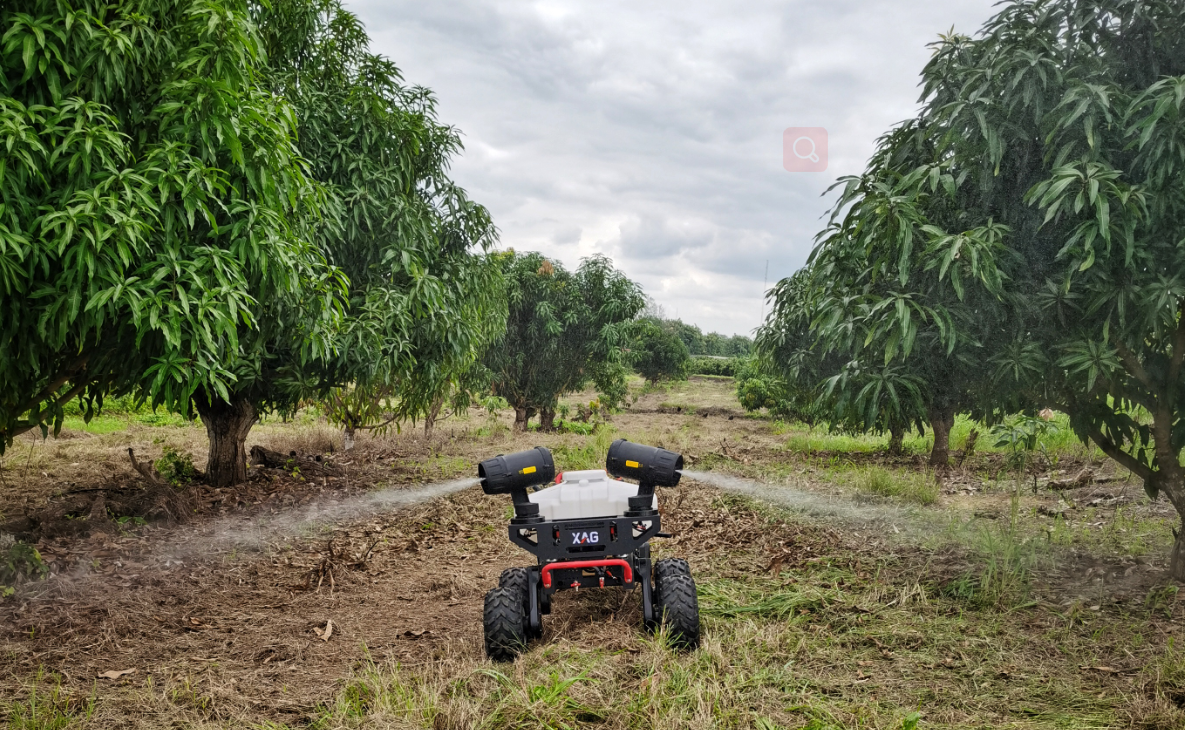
x,y
505,623
676,603
519,580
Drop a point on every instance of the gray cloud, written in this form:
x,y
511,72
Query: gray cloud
x,y
652,132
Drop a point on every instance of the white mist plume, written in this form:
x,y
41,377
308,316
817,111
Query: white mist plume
x,y
816,505
258,531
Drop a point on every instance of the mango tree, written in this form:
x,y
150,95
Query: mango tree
x,y
156,217
424,302
1065,120
657,352
892,314
564,330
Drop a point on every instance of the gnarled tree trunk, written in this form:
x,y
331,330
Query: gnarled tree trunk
x,y
896,439
522,416
433,414
942,420
227,426
547,419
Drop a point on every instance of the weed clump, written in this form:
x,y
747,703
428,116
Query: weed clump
x,y
176,467
19,563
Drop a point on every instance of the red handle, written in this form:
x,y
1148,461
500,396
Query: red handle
x,y
579,564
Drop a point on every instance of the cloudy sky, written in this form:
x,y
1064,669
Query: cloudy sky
x,y
652,131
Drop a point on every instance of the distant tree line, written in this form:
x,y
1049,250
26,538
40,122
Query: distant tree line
x,y
712,344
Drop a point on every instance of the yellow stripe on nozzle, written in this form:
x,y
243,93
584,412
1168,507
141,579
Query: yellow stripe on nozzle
x,y
632,464
528,470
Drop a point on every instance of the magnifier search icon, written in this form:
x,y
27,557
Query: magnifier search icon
x,y
804,149
810,145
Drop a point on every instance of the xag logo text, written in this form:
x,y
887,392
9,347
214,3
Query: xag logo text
x,y
580,538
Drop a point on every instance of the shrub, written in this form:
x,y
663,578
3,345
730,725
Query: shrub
x,y
703,365
176,467
19,563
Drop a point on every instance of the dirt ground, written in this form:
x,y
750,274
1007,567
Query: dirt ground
x,y
265,600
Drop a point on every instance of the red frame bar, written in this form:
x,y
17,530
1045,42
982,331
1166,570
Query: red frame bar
x,y
581,564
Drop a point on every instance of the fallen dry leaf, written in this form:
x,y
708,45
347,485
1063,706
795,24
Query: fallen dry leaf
x,y
1104,670
325,633
113,674
417,634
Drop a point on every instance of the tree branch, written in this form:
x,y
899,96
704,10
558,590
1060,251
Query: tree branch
x,y
1133,365
66,398
67,374
377,425
148,470
1178,346
1131,463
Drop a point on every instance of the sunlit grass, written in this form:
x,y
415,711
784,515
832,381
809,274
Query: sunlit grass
x,y
98,425
804,439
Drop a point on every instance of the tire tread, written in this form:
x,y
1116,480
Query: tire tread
x,y
504,623
675,601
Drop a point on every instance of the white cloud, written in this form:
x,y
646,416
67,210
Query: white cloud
x,y
652,132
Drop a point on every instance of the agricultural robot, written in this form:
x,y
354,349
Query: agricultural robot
x,y
590,529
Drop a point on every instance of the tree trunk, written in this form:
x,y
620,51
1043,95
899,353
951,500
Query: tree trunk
x,y
348,437
896,439
432,414
520,419
941,422
227,426
547,419
1177,561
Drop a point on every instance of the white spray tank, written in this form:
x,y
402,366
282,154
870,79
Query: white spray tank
x,y
585,494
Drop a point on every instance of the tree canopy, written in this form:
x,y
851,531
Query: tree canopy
x,y
564,330
155,212
227,207
712,344
423,302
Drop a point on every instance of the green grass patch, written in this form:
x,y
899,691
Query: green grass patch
x,y
588,452
803,439
906,486
99,425
47,706
440,466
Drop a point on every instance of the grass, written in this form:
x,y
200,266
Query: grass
x,y
440,467
578,453
1126,533
903,485
48,706
1005,560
